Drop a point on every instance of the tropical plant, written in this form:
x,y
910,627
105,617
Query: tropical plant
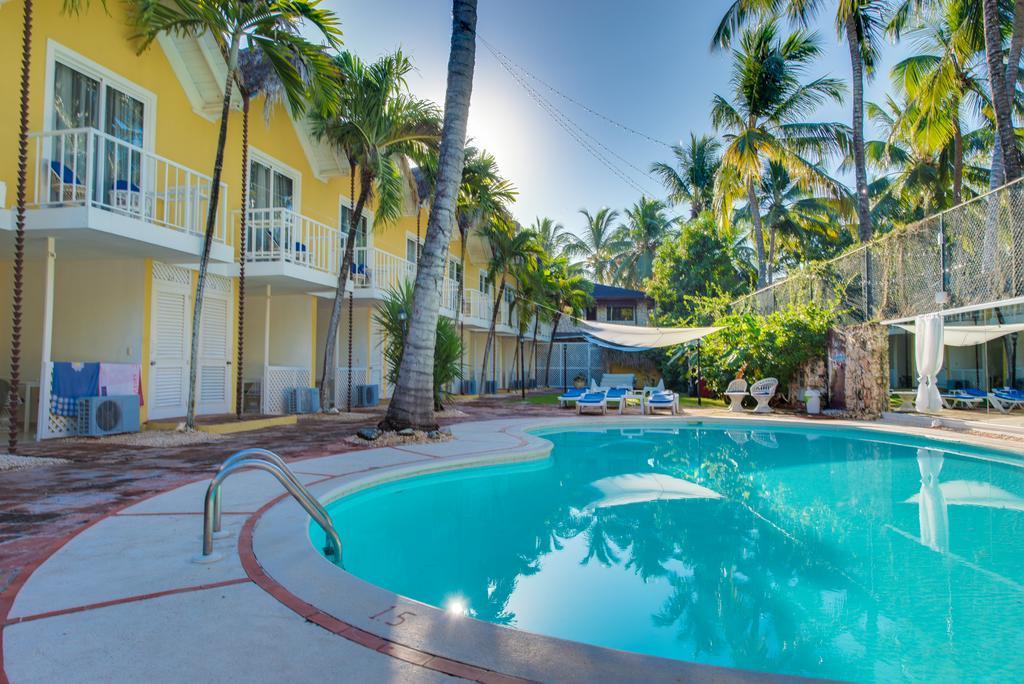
x,y
377,125
692,179
568,295
511,249
409,405
638,239
765,122
597,246
861,24
271,28
393,316
1002,79
551,236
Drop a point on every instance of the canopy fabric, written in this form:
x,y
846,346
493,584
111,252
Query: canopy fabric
x,y
639,338
622,490
928,348
971,335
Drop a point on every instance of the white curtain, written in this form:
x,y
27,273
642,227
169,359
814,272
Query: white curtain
x,y
932,512
929,348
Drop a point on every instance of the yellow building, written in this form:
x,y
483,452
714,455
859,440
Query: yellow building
x,y
121,151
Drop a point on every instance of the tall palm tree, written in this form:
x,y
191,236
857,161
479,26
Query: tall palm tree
x,y
377,126
510,250
692,179
411,402
765,121
552,236
270,28
1002,81
24,98
646,227
597,246
861,24
568,295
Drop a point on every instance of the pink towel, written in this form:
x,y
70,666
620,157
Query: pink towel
x,y
120,379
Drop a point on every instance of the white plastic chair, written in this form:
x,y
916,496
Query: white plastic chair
x,y
592,401
736,391
763,391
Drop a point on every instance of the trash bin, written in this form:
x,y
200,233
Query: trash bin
x,y
813,399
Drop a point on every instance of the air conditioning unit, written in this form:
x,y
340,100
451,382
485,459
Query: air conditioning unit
x,y
98,416
490,387
303,400
366,395
469,386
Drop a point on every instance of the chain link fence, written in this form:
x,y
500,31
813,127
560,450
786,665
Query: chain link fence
x,y
974,253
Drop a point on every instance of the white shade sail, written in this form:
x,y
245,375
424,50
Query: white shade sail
x,y
639,338
971,335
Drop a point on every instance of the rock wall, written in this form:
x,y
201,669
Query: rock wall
x,y
858,370
812,374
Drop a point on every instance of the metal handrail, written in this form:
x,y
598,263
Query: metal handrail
x,y
257,453
287,479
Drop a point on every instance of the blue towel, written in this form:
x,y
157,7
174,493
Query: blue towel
x,y
71,381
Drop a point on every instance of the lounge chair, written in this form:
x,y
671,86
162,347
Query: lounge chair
x,y
662,400
618,395
1006,399
651,389
65,185
736,391
610,380
763,391
962,399
570,396
592,401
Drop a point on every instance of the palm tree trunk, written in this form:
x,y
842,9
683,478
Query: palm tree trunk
x,y
863,204
240,372
515,356
19,236
958,162
211,223
755,218
410,404
551,347
327,373
772,232
490,333
998,84
461,324
533,349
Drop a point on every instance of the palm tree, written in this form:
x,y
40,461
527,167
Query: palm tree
x,y
598,244
646,227
18,270
1002,81
765,121
860,23
552,236
270,28
692,179
510,249
411,402
377,126
568,295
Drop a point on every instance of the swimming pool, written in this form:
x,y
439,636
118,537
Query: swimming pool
x,y
839,553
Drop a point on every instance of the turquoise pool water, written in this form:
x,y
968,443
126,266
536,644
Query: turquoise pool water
x,y
842,554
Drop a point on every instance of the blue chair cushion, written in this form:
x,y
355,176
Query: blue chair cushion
x,y
662,398
126,185
617,392
65,174
573,392
592,398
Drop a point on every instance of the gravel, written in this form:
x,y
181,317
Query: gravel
x,y
12,462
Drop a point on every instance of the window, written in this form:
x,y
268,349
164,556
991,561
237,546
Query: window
x,y
591,313
454,270
621,314
359,258
412,250
270,187
484,285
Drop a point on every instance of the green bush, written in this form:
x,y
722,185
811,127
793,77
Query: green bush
x,y
765,346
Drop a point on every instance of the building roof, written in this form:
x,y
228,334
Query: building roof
x,y
612,292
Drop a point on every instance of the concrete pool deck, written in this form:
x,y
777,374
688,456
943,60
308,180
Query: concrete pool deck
x,y
122,600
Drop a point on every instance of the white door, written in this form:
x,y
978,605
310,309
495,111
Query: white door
x,y
171,322
213,393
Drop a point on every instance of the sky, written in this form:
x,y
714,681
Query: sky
x,y
646,64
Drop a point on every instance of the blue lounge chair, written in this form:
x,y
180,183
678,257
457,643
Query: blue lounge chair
x,y
618,396
592,401
1006,399
65,185
664,401
962,399
570,396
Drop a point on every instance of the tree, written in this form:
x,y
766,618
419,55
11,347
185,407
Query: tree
x,y
764,122
1002,83
510,249
569,295
638,238
552,236
695,262
270,28
411,402
692,179
377,126
598,244
860,23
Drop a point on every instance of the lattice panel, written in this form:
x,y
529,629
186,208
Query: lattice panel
x,y
216,283
277,381
171,274
360,376
54,425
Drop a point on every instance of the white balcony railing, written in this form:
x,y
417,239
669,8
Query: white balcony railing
x,y
87,167
278,234
375,268
477,305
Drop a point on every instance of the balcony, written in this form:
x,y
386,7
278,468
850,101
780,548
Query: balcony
x,y
289,251
103,196
375,271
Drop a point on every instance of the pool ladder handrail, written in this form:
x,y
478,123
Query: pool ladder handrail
x,y
267,461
